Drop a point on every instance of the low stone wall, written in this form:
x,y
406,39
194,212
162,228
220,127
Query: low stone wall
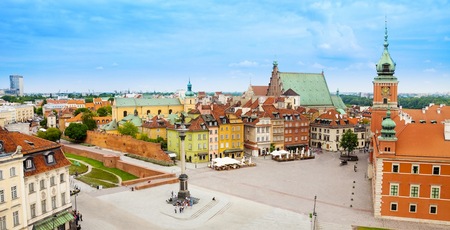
x,y
113,161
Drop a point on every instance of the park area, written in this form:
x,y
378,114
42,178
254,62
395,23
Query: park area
x,y
95,174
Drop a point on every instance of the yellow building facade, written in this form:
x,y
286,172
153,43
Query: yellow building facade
x,y
146,107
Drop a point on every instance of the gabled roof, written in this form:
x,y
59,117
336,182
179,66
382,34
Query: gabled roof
x,y
156,122
29,144
110,126
312,87
290,92
338,103
259,90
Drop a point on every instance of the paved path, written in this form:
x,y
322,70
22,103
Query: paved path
x,y
272,195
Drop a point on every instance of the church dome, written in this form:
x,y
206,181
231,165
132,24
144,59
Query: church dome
x,y
385,66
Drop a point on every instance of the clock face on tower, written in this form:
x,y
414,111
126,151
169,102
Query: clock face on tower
x,y
385,91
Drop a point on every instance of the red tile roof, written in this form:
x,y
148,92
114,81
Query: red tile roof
x,y
260,90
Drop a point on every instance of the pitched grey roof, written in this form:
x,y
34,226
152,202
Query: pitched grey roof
x,y
312,87
338,103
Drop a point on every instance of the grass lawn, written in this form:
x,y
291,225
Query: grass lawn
x,y
74,168
370,228
94,182
97,164
102,175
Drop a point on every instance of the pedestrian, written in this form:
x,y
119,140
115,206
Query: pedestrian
x,y
354,168
81,216
172,193
79,227
175,209
181,210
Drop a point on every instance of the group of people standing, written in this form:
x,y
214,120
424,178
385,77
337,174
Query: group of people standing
x,y
77,217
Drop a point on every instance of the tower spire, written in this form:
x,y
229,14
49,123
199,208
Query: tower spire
x,y
386,43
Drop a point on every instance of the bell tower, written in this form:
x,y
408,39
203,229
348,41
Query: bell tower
x,y
385,85
385,88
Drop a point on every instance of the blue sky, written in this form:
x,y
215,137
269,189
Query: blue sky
x,y
220,45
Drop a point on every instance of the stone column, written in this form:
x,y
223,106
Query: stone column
x,y
184,192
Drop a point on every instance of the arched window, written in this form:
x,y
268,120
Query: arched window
x,y
159,112
125,113
170,111
148,112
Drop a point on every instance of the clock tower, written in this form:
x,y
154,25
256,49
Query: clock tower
x,y
385,84
385,88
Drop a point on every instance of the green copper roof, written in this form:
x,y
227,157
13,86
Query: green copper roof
x,y
137,121
338,103
386,66
110,126
312,88
137,102
388,127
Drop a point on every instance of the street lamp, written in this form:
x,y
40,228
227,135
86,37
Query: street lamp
x,y
184,192
76,201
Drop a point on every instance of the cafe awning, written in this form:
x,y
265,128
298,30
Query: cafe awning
x,y
54,221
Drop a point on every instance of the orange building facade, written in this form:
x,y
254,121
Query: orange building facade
x,y
410,154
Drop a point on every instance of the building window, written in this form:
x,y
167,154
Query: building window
x,y
16,218
435,192
413,208
433,209
12,171
52,181
44,206
394,206
415,169
2,196
53,202
3,223
414,191
436,170
42,184
394,190
61,178
31,188
395,168
50,158
1,175
33,210
14,192
29,163
63,198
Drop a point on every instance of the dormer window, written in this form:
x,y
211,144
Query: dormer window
x,y
29,164
50,158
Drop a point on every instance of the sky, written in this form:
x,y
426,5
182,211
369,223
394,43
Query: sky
x,y
151,45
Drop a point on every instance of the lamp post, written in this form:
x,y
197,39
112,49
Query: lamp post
x,y
184,192
76,194
314,213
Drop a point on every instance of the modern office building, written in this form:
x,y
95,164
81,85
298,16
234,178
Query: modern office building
x,y
16,83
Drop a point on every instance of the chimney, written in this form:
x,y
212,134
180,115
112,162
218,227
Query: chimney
x,y
439,110
423,110
447,130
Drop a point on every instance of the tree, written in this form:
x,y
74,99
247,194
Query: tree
x,y
43,123
89,121
52,134
104,111
349,141
128,129
76,131
80,110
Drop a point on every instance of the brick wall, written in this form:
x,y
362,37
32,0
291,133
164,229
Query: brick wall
x,y
112,161
127,144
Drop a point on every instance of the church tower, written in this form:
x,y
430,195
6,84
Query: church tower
x,y
385,87
189,99
274,84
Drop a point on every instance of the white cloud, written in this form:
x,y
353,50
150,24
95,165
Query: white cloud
x,y
115,64
427,61
446,38
430,70
301,63
99,68
245,63
324,46
318,66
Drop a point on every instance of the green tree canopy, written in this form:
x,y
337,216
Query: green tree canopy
x,y
349,141
104,111
80,110
43,123
76,131
88,120
52,134
128,129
